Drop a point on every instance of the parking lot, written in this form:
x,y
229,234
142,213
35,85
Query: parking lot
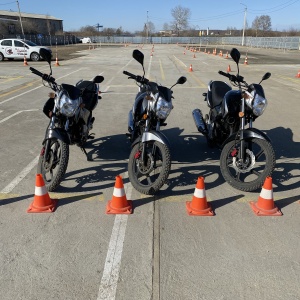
x,y
158,251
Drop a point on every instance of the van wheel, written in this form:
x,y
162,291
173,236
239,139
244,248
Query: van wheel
x,y
1,57
34,56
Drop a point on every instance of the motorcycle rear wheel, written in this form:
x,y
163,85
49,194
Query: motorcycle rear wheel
x,y
150,178
258,165
53,170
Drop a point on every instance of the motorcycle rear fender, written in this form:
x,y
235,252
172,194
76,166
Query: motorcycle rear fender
x,y
249,133
152,136
57,133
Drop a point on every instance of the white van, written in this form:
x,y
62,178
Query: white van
x,y
86,40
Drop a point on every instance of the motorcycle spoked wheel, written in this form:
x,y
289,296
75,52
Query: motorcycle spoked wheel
x,y
150,178
53,170
251,174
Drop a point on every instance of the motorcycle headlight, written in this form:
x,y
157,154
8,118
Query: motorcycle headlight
x,y
259,105
256,102
163,108
67,106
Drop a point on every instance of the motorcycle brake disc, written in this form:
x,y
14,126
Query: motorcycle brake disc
x,y
244,167
48,164
145,169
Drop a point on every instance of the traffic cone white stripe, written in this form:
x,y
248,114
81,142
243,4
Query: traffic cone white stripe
x,y
199,193
40,190
119,192
266,194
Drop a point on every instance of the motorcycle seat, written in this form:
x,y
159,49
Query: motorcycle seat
x,y
216,92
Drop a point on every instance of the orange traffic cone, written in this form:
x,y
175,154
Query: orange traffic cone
x,y
199,206
56,61
41,201
227,55
191,68
119,203
246,60
194,55
298,75
265,204
228,69
25,61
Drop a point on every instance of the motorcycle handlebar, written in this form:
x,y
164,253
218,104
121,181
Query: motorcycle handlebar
x,y
45,77
138,78
233,77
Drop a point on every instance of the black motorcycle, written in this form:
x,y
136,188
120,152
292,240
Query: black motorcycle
x,y
149,161
70,111
247,156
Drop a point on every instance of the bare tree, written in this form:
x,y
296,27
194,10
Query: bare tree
x,y
151,28
181,16
88,30
262,23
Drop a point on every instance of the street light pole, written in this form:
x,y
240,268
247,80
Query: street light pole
x,y
245,14
147,28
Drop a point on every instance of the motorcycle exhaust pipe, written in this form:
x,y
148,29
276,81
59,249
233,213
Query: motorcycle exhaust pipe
x,y
199,122
130,121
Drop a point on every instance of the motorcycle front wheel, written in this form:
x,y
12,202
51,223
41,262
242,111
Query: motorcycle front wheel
x,y
247,175
54,168
150,176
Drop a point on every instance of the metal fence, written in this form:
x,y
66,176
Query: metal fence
x,y
291,43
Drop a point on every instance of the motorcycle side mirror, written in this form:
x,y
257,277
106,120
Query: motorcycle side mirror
x,y
98,79
181,80
235,54
46,55
266,76
138,56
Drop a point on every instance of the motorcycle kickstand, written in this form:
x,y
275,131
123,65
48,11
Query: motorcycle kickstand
x,y
86,154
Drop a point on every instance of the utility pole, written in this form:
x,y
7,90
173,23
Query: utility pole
x,y
245,13
21,20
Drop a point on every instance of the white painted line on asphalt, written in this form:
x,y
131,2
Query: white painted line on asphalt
x,y
18,112
20,176
110,277
149,67
12,98
180,61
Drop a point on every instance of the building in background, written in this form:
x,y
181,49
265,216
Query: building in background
x,y
32,24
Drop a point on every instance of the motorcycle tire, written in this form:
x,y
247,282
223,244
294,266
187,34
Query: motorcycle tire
x,y
259,164
150,178
54,170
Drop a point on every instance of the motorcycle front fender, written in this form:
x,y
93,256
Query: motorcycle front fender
x,y
57,133
249,133
152,136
